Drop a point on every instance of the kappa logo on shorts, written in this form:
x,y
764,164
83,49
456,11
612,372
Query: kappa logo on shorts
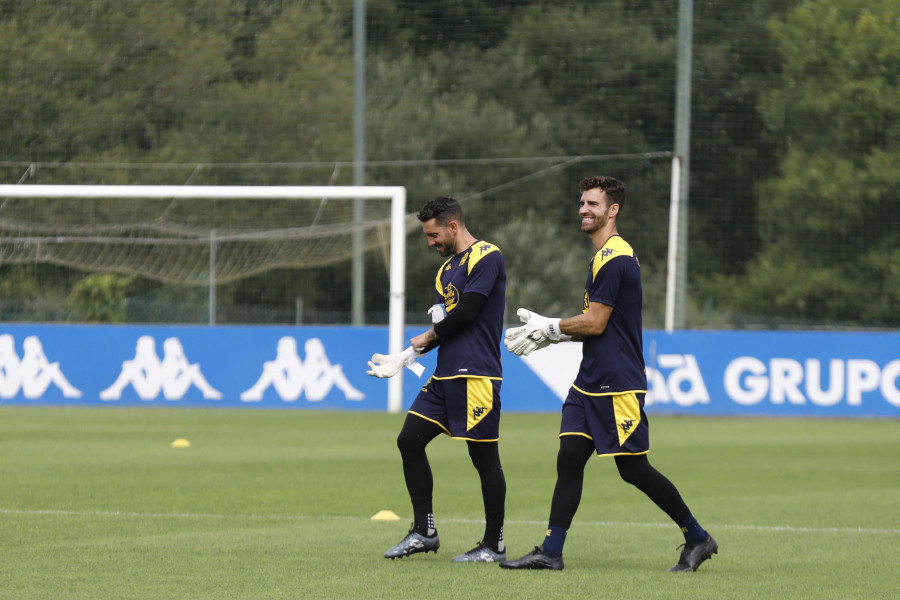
x,y
477,411
626,425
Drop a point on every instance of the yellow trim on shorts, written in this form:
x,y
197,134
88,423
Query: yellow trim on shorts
x,y
604,455
576,433
467,377
421,416
623,454
447,432
609,393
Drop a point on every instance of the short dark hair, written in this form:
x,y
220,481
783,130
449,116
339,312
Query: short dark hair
x,y
442,209
614,189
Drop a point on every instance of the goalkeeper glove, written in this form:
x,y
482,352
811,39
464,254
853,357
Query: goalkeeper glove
x,y
519,343
538,332
388,365
548,326
437,313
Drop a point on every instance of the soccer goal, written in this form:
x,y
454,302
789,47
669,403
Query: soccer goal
x,y
157,231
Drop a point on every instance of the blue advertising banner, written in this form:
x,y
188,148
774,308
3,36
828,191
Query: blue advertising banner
x,y
267,367
841,374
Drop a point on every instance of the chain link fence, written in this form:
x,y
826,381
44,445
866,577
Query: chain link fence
x,y
505,105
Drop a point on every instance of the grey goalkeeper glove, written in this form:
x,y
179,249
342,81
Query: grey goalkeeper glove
x,y
388,365
538,332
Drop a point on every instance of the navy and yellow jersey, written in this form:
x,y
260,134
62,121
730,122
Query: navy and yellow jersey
x,y
475,350
613,361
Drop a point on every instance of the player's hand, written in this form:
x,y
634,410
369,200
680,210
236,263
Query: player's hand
x,y
548,326
531,336
537,333
386,365
519,343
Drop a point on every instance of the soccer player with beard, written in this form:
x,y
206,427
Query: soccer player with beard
x,y
603,413
462,398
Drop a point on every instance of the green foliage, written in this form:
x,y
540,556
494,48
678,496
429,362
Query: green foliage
x,y
795,127
100,298
38,290
519,101
828,253
841,85
426,26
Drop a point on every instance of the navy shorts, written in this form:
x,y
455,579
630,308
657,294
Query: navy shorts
x,y
465,407
616,423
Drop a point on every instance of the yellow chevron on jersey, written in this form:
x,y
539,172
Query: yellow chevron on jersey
x,y
475,253
478,251
614,246
438,286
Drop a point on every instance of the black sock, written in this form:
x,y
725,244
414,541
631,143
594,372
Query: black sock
x,y
486,460
693,533
414,436
424,525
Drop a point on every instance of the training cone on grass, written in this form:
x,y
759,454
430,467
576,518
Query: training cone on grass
x,y
181,443
385,515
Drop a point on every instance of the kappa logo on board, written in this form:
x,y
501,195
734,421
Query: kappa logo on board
x,y
174,375
291,377
32,374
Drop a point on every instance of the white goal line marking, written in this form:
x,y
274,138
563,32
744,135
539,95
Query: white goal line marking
x,y
250,516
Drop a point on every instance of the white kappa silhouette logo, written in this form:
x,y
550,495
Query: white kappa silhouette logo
x,y
148,375
291,376
33,373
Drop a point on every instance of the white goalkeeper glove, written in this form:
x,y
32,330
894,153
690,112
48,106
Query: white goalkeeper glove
x,y
388,365
538,332
437,313
519,343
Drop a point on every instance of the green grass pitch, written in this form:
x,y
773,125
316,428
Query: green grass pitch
x,y
95,503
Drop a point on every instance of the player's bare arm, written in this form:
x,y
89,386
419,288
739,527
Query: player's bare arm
x,y
424,339
593,322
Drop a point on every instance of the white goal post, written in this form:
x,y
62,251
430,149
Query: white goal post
x,y
396,194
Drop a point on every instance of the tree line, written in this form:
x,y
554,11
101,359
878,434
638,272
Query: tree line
x,y
794,133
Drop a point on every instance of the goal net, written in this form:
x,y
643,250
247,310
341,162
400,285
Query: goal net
x,y
204,235
189,235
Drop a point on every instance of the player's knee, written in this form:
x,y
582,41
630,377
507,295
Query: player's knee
x,y
410,443
633,469
404,443
485,456
572,455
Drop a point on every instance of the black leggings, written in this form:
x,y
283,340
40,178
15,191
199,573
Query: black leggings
x,y
415,436
574,452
